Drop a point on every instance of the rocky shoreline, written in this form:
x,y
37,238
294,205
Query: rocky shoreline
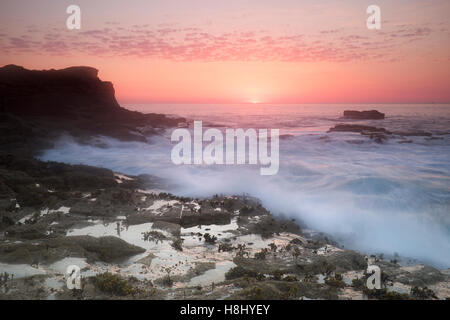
x,y
134,240
134,243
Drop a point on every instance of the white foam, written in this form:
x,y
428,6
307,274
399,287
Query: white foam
x,y
377,198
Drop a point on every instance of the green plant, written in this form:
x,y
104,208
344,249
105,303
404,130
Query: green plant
x,y
4,277
338,276
290,279
229,204
293,291
238,272
295,253
273,247
277,274
209,238
242,250
254,293
225,247
113,283
246,210
335,282
177,244
167,281
153,236
384,294
423,293
358,283
260,277
261,255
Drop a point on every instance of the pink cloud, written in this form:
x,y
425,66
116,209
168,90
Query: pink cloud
x,y
194,44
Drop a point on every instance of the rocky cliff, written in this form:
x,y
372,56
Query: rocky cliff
x,y
38,104
71,92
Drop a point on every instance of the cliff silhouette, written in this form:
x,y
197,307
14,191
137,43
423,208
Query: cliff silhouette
x,y
35,104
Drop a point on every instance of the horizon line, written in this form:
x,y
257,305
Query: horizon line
x,y
280,103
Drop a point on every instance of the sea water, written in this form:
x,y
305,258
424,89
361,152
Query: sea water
x,y
387,198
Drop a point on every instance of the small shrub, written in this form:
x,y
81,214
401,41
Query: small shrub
x,y
239,272
277,274
293,291
209,238
167,281
246,210
177,244
358,283
260,277
255,293
229,204
225,247
273,247
338,276
334,282
242,250
4,277
423,293
261,255
295,253
153,236
384,294
113,283
290,278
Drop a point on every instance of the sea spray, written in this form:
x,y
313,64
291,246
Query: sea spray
x,y
377,198
213,153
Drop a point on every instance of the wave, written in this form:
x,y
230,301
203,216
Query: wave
x,y
376,198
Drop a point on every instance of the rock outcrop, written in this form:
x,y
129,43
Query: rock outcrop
x,y
363,115
71,92
36,104
379,135
356,128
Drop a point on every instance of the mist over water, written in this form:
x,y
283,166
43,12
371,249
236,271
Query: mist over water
x,y
378,198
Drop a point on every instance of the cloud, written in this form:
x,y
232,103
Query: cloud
x,y
172,42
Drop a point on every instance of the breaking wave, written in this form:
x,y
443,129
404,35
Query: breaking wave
x,y
378,198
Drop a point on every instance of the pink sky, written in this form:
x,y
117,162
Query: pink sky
x,y
284,51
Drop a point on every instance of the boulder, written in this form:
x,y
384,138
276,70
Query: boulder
x,y
363,115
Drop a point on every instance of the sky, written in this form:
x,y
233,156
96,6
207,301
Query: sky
x,y
247,51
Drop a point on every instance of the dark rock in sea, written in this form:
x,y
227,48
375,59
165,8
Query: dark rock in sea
x,y
379,135
363,115
413,134
357,128
286,136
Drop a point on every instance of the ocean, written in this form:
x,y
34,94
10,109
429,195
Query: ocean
x,y
385,198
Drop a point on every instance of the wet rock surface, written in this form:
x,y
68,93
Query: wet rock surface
x,y
126,233
131,242
382,135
